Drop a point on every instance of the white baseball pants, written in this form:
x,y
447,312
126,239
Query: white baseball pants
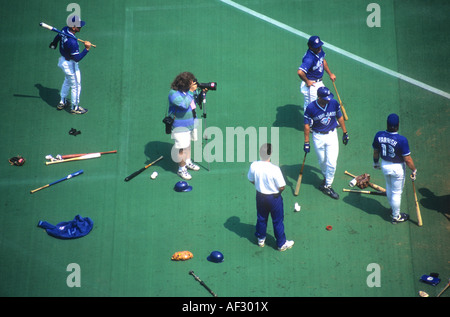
x,y
327,150
72,81
394,174
310,93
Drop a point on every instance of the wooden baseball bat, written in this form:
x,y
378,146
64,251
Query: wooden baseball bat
x,y
419,216
130,177
51,28
363,192
344,113
58,181
448,284
202,283
375,186
84,157
300,176
68,156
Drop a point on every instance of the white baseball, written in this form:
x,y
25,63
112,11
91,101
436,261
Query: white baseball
x,y
154,175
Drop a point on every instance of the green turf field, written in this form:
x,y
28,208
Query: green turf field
x,y
252,49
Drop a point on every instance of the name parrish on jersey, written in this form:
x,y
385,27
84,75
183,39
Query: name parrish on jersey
x,y
392,146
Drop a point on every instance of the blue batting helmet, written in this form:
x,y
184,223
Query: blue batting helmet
x,y
182,186
215,257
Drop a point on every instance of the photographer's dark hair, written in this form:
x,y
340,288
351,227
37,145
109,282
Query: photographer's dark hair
x,y
183,81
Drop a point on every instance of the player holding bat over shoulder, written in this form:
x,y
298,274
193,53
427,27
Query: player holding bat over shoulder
x,y
393,149
68,62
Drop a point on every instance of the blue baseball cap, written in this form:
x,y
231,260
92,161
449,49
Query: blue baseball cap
x,y
393,120
315,42
75,21
325,93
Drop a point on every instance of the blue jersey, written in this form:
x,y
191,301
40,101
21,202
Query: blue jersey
x,y
312,65
68,46
322,119
391,146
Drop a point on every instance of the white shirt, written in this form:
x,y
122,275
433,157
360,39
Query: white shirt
x,y
267,177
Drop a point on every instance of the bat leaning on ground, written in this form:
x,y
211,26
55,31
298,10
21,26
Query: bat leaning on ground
x,y
51,28
300,176
364,192
419,216
84,157
72,175
202,283
130,177
344,113
374,186
445,288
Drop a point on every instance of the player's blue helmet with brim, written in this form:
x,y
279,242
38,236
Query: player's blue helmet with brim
x,y
75,22
325,93
315,42
182,186
393,120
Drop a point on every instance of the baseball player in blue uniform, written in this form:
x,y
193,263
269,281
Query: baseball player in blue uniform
x,y
68,62
269,184
393,149
311,70
321,118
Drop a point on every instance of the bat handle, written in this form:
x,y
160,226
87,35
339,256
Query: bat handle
x,y
37,189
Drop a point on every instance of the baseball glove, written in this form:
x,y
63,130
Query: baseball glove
x,y
363,180
17,160
182,256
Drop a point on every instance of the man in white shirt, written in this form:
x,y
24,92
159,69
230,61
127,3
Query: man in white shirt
x,y
269,183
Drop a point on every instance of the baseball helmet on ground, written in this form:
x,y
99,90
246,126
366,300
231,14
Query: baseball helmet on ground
x,y
215,257
182,186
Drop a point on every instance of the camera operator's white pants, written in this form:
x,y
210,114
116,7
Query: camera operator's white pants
x,y
394,174
310,93
327,150
72,81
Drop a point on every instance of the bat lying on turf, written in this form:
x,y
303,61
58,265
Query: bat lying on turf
x,y
364,192
130,177
83,157
58,181
68,156
202,283
51,28
374,186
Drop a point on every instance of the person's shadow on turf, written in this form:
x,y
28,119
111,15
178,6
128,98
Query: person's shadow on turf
x,y
368,205
311,175
155,149
433,202
290,116
245,230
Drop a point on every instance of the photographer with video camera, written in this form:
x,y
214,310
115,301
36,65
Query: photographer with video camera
x,y
183,99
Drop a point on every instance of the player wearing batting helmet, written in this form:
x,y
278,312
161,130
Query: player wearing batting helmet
x,y
68,62
393,149
311,70
321,118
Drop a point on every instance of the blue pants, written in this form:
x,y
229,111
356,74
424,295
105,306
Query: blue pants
x,y
270,205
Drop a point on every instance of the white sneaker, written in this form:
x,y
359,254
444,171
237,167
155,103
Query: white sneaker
x,y
192,166
183,173
261,242
287,245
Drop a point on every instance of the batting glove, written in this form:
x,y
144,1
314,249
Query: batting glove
x,y
413,174
376,165
53,45
345,138
306,147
